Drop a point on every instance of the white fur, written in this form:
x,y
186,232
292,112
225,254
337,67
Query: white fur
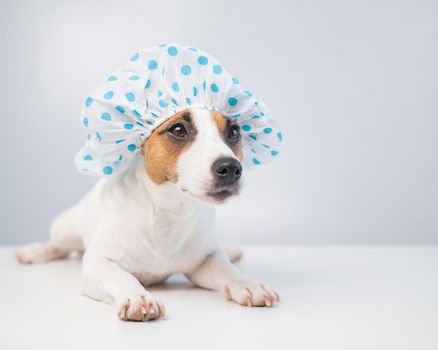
x,y
194,165
136,233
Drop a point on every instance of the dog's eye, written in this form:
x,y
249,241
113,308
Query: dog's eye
x,y
178,130
234,133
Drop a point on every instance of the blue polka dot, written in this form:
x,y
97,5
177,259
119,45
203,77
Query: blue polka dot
x,y
255,117
163,104
204,85
98,136
107,170
172,51
280,136
120,157
137,114
162,45
134,77
233,101
217,69
248,93
265,145
235,81
112,78
128,126
135,57
132,147
152,64
188,100
148,84
214,88
274,153
175,102
267,130
108,95
159,93
194,49
175,87
88,101
88,157
186,70
120,109
254,137
106,116
85,122
255,161
130,96
202,60
120,141
195,91
246,127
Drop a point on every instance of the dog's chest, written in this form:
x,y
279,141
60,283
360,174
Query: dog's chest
x,y
167,243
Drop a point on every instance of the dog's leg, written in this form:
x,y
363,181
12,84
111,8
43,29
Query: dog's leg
x,y
217,272
103,279
64,238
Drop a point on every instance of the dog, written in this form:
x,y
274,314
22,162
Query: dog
x,y
155,219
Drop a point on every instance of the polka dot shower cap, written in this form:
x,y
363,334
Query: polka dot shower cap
x,y
152,86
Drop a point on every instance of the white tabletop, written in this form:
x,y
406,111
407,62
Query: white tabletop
x,y
332,298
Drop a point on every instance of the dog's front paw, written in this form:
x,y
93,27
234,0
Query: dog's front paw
x,y
140,308
250,293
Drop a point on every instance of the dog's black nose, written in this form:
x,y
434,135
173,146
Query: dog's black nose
x,y
227,170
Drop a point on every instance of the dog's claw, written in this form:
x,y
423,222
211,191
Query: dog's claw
x,y
248,302
162,310
151,309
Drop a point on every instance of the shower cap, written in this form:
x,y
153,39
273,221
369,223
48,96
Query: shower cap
x,y
123,110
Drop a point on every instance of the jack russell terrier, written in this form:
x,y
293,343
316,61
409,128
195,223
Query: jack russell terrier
x,y
141,225
149,222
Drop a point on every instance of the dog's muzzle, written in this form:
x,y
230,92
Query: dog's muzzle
x,y
226,171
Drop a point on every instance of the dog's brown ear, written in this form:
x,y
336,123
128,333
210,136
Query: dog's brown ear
x,y
159,159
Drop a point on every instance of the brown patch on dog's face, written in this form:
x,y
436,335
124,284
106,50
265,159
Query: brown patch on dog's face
x,y
164,146
230,132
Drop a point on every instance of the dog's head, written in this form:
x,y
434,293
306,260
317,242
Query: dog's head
x,y
199,151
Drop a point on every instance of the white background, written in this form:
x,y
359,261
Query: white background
x,y
353,84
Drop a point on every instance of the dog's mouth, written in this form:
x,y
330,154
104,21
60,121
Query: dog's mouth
x,y
221,194
216,195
